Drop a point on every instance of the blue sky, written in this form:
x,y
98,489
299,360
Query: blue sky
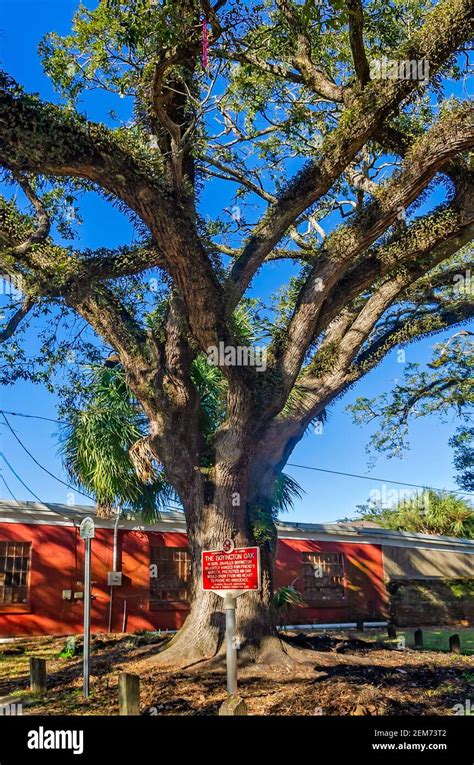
x,y
341,446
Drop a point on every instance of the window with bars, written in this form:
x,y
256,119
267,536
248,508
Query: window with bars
x,y
14,572
170,574
323,576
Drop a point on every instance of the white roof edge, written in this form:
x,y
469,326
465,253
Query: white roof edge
x,y
173,520
367,531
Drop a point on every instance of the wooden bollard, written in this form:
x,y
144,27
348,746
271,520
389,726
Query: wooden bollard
x,y
391,631
129,694
418,635
454,644
360,626
37,675
233,706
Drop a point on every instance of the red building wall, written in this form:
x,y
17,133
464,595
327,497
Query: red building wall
x,y
365,592
57,564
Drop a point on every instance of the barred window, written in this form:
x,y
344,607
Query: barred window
x,y
323,576
170,574
14,571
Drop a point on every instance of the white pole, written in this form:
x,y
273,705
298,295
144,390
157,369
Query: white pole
x,y
231,650
87,614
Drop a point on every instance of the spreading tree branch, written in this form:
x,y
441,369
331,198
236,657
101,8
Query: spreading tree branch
x,y
445,28
356,40
302,61
16,320
453,133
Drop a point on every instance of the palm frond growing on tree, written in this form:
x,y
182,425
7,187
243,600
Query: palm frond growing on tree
x,y
96,444
286,490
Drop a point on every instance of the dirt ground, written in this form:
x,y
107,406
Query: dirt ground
x,y
339,674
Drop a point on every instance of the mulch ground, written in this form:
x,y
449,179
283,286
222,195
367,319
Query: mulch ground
x,y
338,675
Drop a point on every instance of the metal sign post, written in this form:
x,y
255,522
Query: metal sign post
x,y
231,648
231,572
87,533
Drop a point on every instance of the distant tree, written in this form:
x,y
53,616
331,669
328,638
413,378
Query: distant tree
x,y
463,445
444,389
428,512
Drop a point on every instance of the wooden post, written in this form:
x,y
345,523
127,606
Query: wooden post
x,y
233,706
391,631
418,634
37,675
360,626
454,644
129,694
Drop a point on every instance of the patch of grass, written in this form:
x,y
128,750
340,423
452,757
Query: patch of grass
x,y
434,639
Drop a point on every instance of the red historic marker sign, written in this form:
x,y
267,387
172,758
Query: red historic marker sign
x,y
231,573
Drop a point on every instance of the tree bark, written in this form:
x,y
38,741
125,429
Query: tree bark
x,y
203,634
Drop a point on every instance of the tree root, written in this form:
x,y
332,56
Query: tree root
x,y
271,650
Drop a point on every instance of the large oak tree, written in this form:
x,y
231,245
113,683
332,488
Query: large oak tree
x,y
323,159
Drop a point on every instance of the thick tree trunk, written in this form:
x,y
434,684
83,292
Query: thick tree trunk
x,y
203,634
221,502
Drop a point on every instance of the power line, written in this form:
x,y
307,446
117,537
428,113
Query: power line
x,y
69,486
290,464
33,417
383,480
68,518
9,490
21,480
